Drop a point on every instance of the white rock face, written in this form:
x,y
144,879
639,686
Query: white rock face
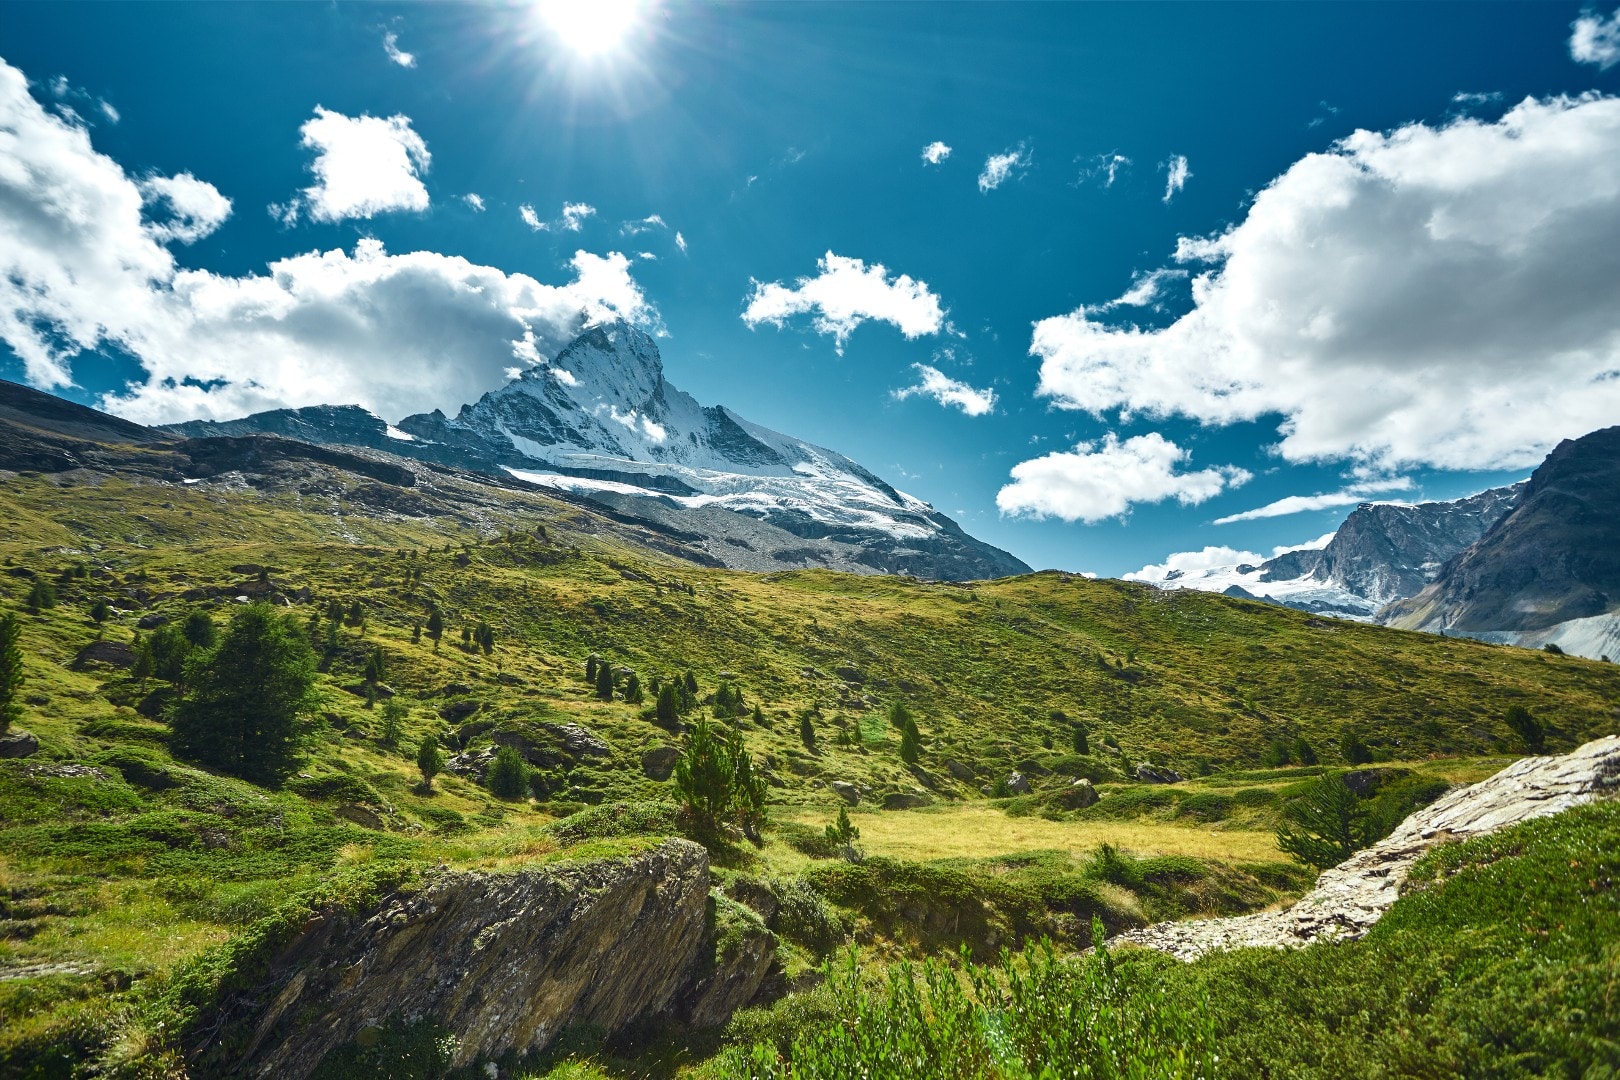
x,y
1354,895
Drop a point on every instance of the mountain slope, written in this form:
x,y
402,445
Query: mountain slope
x,y
600,420
1554,559
1382,552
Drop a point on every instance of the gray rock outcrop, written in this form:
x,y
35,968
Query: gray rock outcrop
x,y
504,961
1352,896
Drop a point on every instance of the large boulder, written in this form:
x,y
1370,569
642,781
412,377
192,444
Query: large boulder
x,y
659,762
504,961
18,743
1077,796
1157,774
962,772
112,653
1018,783
905,800
846,791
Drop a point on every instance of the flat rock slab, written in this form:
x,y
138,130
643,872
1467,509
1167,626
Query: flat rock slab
x,y
1351,897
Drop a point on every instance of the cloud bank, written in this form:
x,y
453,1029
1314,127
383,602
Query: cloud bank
x,y
1440,296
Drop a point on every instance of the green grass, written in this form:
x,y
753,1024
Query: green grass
x,y
122,868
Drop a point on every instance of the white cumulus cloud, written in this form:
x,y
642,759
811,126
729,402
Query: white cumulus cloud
x,y
196,207
1176,175
364,166
999,168
574,214
1440,296
395,53
1353,495
82,267
1095,481
935,152
474,200
845,293
948,391
1596,40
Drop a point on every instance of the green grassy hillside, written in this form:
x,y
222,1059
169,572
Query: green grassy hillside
x,y
120,866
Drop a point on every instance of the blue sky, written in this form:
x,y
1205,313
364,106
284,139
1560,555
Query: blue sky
x,y
1157,238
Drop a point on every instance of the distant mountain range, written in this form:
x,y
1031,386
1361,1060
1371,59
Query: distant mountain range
x,y
600,421
1532,564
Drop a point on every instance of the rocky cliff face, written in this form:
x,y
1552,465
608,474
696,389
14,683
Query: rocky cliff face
x,y
599,420
1382,552
505,961
1554,559
1352,896
1385,551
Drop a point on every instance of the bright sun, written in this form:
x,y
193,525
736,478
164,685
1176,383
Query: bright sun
x,y
590,28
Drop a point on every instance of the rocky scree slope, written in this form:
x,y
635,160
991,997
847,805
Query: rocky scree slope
x,y
1351,897
504,961
1554,560
600,420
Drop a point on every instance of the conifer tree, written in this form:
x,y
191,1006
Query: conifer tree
x,y
429,760
435,626
11,675
393,718
508,774
416,632
1527,728
357,614
590,669
244,713
759,716
373,671
632,689
691,683
99,611
41,597
807,732
910,742
667,713
604,681
842,832
1082,740
1324,825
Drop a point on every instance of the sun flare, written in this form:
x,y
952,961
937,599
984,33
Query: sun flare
x,y
590,28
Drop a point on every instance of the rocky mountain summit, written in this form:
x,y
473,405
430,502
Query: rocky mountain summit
x,y
1382,552
1554,562
599,420
1352,896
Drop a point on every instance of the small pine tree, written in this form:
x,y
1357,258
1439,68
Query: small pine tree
x,y
690,682
416,632
143,667
842,832
429,760
485,636
466,638
333,642
357,614
667,713
334,610
435,626
1278,752
807,732
199,629
703,777
508,776
632,689
99,612
371,695
393,719
604,681
1304,752
41,597
759,717
1527,728
1081,739
590,668
899,715
11,675
373,671
1353,750
1324,826
910,742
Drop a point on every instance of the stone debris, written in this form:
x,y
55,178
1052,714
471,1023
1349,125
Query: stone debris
x,y
1351,897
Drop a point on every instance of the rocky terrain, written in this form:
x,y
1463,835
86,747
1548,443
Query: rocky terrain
x,y
504,961
1351,897
1553,560
600,420
1382,552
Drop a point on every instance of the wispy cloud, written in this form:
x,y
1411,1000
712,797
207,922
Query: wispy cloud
x,y
1176,175
474,200
641,225
680,241
999,168
395,53
530,218
1354,495
948,391
574,215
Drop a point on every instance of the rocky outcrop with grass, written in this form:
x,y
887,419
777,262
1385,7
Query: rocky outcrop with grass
x,y
505,961
1354,895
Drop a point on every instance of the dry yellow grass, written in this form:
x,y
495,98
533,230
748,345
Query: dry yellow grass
x,y
980,832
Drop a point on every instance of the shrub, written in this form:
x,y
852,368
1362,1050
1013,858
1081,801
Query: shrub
x,y
1353,750
508,775
429,760
1527,728
805,917
11,676
41,596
